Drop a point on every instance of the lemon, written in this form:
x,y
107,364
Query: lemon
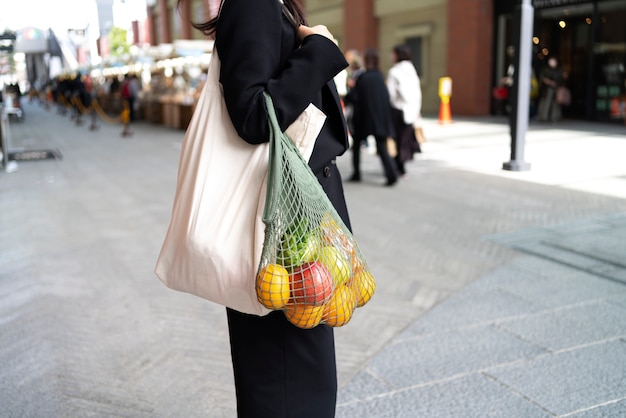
x,y
364,286
272,286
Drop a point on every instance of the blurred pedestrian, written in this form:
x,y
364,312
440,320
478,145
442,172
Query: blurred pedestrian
x,y
371,116
508,79
354,70
550,79
405,94
130,91
623,105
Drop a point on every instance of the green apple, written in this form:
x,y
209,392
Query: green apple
x,y
336,262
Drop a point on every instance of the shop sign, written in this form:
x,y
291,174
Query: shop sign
x,y
555,3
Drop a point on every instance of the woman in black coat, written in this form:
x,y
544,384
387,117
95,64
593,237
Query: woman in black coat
x,y
371,116
281,370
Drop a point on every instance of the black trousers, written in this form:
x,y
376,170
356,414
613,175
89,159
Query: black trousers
x,y
406,142
281,370
389,167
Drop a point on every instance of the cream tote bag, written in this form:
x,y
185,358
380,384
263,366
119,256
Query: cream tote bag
x,y
214,241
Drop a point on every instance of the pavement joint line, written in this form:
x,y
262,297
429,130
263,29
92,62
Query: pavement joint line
x,y
559,308
483,371
547,350
547,354
517,392
447,379
382,379
591,408
550,352
597,273
619,338
592,256
496,323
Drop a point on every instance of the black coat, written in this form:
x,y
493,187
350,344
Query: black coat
x,y
372,108
259,52
278,367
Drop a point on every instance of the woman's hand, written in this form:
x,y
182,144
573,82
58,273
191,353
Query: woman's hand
x,y
304,31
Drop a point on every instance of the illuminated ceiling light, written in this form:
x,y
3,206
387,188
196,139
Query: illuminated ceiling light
x,y
536,40
562,24
588,20
545,51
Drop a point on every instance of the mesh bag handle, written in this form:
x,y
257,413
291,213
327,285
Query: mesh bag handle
x,y
311,266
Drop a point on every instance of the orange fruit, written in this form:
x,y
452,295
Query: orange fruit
x,y
304,316
338,310
364,286
272,286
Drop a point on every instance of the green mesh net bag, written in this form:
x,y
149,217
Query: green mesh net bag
x,y
311,266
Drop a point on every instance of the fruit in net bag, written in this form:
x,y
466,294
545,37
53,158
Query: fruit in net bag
x,y
364,286
338,265
272,286
299,245
338,311
311,284
304,316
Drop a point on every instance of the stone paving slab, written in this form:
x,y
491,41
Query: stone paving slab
x,y
610,247
416,361
566,333
570,326
448,398
549,289
597,245
573,380
475,306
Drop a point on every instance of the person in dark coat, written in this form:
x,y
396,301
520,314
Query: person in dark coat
x,y
281,370
372,116
551,79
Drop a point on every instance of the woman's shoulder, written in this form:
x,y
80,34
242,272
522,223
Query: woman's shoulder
x,y
397,69
249,11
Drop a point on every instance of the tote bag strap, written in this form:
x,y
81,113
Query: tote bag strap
x,y
274,170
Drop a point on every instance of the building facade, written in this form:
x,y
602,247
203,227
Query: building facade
x,y
465,40
167,23
447,38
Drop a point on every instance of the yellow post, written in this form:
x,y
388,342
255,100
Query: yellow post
x,y
445,93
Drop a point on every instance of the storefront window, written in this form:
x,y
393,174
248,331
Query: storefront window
x,y
588,38
609,51
565,33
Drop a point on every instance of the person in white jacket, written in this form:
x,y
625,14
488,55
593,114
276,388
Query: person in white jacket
x,y
405,94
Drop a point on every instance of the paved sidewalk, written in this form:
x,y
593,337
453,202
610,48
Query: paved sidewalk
x,y
542,336
499,294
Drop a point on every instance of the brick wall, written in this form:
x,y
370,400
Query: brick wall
x,y
469,55
360,25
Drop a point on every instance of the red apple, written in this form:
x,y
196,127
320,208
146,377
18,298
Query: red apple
x,y
311,284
